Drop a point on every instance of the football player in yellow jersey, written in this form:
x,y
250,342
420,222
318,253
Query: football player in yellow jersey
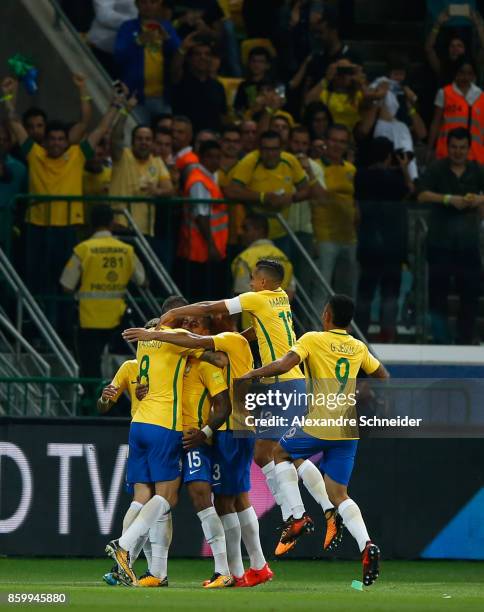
x,y
126,379
232,455
331,355
155,454
204,391
271,314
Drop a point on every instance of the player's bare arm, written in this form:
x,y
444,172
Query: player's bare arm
x,y
106,401
280,366
380,372
200,309
221,409
186,340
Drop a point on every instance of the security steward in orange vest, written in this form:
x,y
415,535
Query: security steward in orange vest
x,y
459,105
202,247
101,268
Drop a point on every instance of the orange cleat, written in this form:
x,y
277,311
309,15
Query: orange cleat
x,y
334,529
240,582
293,528
254,577
371,563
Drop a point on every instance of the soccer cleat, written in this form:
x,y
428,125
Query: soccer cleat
x,y
219,581
240,582
293,528
125,572
148,580
254,577
111,577
371,563
334,529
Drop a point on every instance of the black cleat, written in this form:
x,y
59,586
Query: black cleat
x,y
371,563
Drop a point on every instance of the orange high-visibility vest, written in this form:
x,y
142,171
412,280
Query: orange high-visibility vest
x,y
458,113
192,245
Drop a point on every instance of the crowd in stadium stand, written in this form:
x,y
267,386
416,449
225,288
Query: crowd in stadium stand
x,y
265,104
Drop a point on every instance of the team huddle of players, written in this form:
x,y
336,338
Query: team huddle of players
x,y
182,431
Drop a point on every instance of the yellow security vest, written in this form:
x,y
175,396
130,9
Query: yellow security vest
x,y
107,266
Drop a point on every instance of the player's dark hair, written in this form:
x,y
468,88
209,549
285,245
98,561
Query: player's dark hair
x,y
137,128
56,126
274,269
459,134
269,135
342,309
259,222
152,323
102,215
34,111
173,301
206,146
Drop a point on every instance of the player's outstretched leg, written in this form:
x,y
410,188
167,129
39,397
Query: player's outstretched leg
x,y
370,553
112,577
160,536
314,483
118,550
299,522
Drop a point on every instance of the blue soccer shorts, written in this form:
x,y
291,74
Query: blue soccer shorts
x,y
292,404
338,455
197,464
155,453
232,459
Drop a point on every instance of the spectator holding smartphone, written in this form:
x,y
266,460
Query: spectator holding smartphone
x,y
341,91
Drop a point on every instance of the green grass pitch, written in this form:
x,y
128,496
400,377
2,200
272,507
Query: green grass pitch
x,y
298,585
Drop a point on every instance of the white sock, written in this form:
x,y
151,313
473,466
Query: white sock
x,y
269,471
147,549
287,482
144,521
213,531
354,523
160,539
249,526
232,530
314,483
131,513
142,544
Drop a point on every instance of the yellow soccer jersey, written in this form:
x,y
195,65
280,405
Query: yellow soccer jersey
x,y
201,382
272,321
125,380
332,360
162,365
240,360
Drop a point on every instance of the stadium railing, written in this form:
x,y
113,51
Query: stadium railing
x,y
49,396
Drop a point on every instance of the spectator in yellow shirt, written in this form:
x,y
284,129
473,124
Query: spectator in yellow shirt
x,y
54,169
138,172
335,216
269,180
341,91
